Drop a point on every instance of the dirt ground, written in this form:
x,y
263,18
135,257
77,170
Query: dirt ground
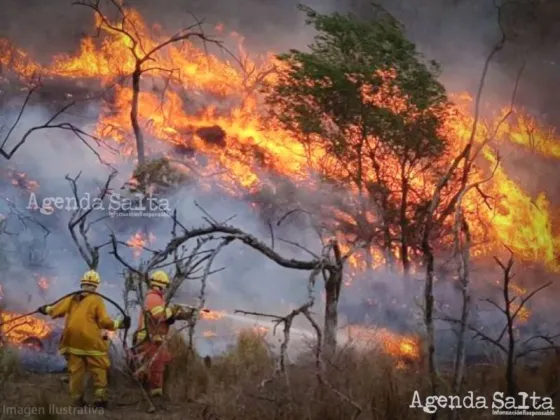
x,y
46,396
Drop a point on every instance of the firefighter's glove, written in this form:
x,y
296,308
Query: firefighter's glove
x,y
125,323
170,320
44,310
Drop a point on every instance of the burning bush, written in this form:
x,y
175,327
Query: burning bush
x,y
24,330
157,176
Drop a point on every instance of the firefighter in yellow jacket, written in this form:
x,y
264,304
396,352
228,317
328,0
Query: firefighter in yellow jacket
x,y
82,341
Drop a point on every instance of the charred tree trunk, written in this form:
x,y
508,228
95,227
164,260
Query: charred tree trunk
x,y
134,115
404,224
510,366
465,311
510,370
387,238
333,284
332,291
387,242
429,343
429,313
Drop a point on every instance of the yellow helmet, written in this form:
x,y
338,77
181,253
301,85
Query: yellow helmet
x,y
159,278
90,278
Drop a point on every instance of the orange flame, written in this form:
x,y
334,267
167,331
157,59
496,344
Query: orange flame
x,y
396,345
260,330
17,331
21,180
138,241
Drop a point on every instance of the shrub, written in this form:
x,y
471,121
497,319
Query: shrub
x,y
157,176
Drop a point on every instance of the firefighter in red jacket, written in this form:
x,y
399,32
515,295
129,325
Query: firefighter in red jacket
x,y
153,327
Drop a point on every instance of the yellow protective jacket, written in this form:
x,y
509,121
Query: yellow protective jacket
x,y
86,317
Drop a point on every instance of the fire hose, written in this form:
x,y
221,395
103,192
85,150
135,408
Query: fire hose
x,y
128,351
115,304
125,335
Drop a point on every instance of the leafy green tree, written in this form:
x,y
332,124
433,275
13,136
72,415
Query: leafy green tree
x,y
370,114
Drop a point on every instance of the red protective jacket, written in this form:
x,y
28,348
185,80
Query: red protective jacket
x,y
152,356
153,320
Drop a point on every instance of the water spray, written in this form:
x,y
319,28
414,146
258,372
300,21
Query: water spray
x,y
247,319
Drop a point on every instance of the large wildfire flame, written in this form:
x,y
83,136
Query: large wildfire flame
x,y
228,127
522,223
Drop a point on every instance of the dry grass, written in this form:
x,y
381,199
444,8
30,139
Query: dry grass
x,y
230,388
9,365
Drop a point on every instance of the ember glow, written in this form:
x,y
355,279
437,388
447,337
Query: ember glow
x,y
19,180
138,241
401,347
43,283
260,330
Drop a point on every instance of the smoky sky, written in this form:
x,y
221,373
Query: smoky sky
x,y
457,33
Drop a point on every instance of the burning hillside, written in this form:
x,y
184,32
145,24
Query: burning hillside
x,y
191,100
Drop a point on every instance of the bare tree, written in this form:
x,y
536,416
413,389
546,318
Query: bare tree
x,y
78,224
511,308
467,157
52,123
142,56
331,269
462,245
287,321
